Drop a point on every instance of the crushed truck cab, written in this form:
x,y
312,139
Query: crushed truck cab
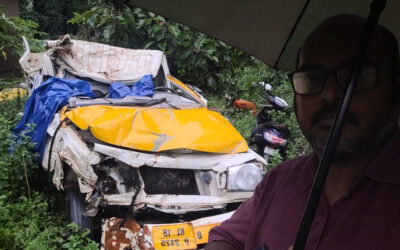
x,y
160,169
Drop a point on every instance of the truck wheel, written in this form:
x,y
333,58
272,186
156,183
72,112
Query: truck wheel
x,y
76,204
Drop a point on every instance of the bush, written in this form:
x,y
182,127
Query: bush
x,y
243,82
75,237
25,219
11,31
27,224
199,58
17,162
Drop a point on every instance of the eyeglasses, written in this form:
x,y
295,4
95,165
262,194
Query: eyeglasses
x,y
312,82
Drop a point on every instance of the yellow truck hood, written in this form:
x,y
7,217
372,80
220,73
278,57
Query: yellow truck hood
x,y
156,130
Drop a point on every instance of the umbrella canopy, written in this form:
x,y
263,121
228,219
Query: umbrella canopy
x,y
269,30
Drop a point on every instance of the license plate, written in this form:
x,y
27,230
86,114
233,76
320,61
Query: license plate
x,y
269,151
201,232
174,236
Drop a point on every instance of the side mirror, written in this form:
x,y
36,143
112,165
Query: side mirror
x,y
280,103
268,87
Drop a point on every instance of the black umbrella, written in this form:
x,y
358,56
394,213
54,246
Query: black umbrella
x,y
269,30
272,31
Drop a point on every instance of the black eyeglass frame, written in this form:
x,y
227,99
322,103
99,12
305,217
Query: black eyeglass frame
x,y
340,83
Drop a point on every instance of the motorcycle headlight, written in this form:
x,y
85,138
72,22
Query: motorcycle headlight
x,y
244,177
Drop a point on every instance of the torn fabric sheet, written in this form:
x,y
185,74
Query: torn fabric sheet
x,y
105,63
44,102
144,87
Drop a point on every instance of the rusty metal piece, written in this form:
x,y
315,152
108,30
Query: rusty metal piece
x,y
129,236
132,236
116,238
147,241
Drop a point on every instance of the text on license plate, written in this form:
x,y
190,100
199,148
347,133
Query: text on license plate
x,y
174,236
202,232
269,151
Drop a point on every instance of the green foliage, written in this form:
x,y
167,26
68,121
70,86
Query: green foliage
x,y
14,164
27,224
199,58
11,31
105,22
10,82
243,82
52,15
16,159
25,220
75,238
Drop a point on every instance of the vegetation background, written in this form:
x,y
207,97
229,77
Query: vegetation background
x,y
218,69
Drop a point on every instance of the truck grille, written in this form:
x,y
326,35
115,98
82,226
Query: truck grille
x,y
168,181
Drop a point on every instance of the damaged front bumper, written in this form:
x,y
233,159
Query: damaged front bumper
x,y
129,234
174,182
164,154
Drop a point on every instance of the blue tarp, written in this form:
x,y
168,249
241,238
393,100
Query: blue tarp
x,y
144,87
44,102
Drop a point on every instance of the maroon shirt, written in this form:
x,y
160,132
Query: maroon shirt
x,y
367,218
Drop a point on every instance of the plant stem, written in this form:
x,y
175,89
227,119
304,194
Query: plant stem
x,y
26,178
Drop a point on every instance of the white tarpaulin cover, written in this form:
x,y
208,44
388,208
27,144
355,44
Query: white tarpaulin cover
x,y
102,62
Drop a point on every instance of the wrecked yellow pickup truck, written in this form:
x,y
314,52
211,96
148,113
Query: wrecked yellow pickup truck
x,y
159,169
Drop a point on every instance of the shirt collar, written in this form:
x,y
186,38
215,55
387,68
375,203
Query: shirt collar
x,y
383,168
309,165
386,166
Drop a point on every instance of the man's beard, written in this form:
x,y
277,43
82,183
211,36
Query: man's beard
x,y
355,148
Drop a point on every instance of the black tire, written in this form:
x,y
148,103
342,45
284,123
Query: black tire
x,y
76,204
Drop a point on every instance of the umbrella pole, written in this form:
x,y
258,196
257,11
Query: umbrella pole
x,y
376,9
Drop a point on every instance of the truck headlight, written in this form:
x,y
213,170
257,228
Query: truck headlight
x,y
244,177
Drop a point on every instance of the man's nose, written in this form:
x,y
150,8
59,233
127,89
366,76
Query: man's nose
x,y
332,90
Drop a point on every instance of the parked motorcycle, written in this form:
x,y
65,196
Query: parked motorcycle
x,y
267,137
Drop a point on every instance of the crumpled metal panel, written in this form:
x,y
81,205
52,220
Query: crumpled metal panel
x,y
212,219
69,147
35,63
56,163
76,154
158,130
198,161
32,62
177,204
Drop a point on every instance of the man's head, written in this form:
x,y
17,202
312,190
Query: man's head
x,y
324,67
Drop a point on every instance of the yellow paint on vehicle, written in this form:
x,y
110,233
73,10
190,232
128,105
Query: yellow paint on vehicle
x,y
156,130
185,87
62,115
202,232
